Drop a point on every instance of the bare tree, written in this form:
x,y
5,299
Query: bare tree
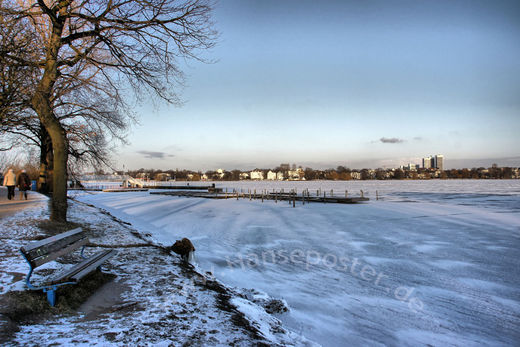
x,y
101,48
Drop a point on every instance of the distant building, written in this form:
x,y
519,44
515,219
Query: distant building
x,y
163,176
411,167
220,173
439,162
296,174
257,175
427,162
434,162
271,175
244,175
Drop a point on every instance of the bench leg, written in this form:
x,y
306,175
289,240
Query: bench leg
x,y
51,295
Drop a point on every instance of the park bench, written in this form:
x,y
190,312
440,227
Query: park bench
x,y
40,252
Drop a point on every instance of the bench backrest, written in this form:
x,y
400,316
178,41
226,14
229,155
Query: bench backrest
x,y
40,252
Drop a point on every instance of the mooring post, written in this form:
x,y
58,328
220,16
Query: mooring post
x,y
262,195
294,200
237,194
346,194
276,197
249,194
361,192
331,192
377,195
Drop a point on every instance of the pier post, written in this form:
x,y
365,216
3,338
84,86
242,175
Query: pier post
x,y
346,194
361,192
377,195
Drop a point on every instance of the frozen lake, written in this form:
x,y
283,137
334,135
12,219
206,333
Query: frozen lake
x,y
433,262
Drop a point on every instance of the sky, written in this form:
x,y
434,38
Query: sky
x,y
354,83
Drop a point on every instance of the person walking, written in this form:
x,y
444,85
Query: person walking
x,y
10,183
24,184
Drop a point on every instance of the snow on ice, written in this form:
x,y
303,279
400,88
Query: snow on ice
x,y
433,262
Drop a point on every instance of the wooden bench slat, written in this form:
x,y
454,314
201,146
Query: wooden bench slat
x,y
51,256
72,272
94,265
37,244
51,246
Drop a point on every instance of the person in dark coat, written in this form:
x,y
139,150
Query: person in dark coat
x,y
24,184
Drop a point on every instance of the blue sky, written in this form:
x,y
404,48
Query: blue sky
x,y
321,83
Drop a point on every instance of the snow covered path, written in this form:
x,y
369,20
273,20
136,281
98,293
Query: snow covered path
x,y
416,268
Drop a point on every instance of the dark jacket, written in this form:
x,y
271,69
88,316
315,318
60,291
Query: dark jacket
x,y
24,182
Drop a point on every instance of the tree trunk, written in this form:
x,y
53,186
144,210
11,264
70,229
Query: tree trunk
x,y
41,102
60,156
46,161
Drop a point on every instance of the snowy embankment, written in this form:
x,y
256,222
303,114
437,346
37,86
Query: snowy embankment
x,y
154,299
432,263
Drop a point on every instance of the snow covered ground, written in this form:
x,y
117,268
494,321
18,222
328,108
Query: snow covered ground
x,y
433,262
153,301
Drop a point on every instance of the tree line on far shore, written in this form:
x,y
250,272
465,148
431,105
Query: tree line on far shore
x,y
340,173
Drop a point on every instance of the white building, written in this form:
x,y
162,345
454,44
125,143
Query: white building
x,y
271,175
297,174
257,175
427,162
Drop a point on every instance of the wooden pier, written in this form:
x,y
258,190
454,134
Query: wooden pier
x,y
178,187
276,196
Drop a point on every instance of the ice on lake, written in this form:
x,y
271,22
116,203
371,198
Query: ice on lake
x,y
433,262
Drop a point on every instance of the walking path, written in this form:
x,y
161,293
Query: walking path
x,y
10,207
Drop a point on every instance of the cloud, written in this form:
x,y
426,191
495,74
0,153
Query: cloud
x,y
418,138
154,155
391,140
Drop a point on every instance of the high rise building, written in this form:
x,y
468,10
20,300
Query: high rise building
x,y
434,162
427,162
439,162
